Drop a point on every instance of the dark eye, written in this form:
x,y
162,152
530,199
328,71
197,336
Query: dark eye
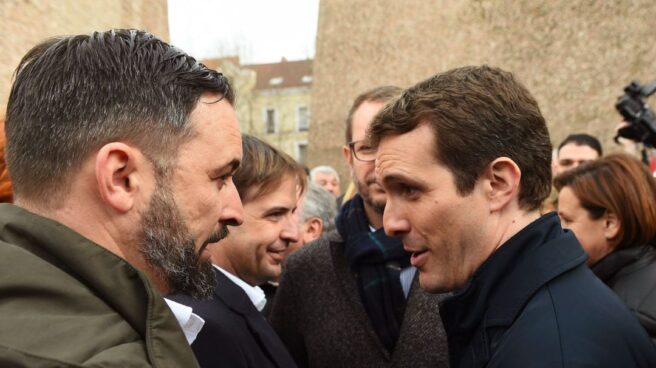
x,y
365,149
222,181
408,190
275,216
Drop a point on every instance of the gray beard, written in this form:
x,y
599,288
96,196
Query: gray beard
x,y
170,250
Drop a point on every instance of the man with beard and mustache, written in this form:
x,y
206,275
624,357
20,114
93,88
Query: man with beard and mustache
x,y
351,298
235,333
121,150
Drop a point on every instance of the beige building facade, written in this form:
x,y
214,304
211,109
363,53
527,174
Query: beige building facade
x,y
24,23
273,101
575,56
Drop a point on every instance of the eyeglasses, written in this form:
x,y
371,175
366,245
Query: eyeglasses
x,y
362,151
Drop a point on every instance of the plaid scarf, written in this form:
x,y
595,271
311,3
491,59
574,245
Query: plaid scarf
x,y
377,261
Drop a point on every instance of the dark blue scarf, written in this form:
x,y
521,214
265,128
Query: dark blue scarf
x,y
376,260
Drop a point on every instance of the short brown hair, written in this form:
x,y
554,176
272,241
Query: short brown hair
x,y
621,184
477,114
263,167
378,94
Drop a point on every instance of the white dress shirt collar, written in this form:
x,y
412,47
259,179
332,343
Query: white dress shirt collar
x,y
255,294
190,322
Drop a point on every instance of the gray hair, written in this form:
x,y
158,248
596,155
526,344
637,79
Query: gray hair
x,y
319,203
323,169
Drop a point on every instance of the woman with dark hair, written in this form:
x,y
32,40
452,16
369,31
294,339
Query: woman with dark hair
x,y
610,205
5,182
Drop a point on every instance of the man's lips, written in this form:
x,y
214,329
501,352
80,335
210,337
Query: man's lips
x,y
276,254
418,258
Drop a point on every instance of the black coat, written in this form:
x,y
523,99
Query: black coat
x,y
235,333
534,303
631,273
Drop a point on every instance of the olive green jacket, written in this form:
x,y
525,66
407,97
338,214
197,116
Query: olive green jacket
x,y
67,302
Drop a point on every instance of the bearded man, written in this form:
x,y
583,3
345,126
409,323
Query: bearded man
x,y
121,150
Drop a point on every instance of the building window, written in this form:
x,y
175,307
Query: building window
x,y
301,152
276,81
303,118
270,121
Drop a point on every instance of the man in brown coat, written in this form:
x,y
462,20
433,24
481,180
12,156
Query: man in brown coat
x,y
351,299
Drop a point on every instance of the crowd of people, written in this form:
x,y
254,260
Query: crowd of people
x,y
142,228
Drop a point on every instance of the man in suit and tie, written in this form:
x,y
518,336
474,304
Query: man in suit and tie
x,y
351,299
235,333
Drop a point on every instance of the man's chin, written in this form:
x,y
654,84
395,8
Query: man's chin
x,y
204,255
377,204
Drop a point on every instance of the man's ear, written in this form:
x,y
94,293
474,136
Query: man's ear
x,y
348,157
502,178
612,225
312,229
116,175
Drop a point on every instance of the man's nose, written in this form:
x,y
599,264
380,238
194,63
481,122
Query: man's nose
x,y
394,221
233,210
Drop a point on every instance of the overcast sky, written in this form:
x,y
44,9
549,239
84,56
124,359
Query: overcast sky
x,y
260,31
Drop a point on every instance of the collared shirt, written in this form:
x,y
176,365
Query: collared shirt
x,y
255,294
190,322
407,274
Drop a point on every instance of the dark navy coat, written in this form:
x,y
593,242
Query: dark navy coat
x,y
534,303
235,333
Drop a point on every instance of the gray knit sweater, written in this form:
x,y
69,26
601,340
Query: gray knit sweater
x,y
318,314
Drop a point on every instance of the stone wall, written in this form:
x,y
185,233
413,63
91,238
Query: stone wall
x,y
575,56
24,23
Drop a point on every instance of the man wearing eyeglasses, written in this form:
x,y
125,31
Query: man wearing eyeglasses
x,y
352,298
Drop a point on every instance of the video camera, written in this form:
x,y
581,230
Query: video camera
x,y
641,119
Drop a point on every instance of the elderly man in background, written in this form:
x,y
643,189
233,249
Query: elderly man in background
x,y
327,178
316,214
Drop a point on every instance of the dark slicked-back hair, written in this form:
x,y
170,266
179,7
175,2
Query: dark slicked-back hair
x,y
378,94
263,168
477,114
72,95
582,139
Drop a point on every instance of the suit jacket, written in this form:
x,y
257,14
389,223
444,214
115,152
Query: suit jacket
x,y
235,334
318,314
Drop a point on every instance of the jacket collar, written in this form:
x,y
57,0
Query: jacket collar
x,y
637,256
232,295
235,298
500,288
138,302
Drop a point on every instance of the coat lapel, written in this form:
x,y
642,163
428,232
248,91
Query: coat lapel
x,y
236,299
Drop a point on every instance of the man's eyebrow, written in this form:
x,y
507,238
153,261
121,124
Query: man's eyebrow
x,y
278,209
230,168
393,179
